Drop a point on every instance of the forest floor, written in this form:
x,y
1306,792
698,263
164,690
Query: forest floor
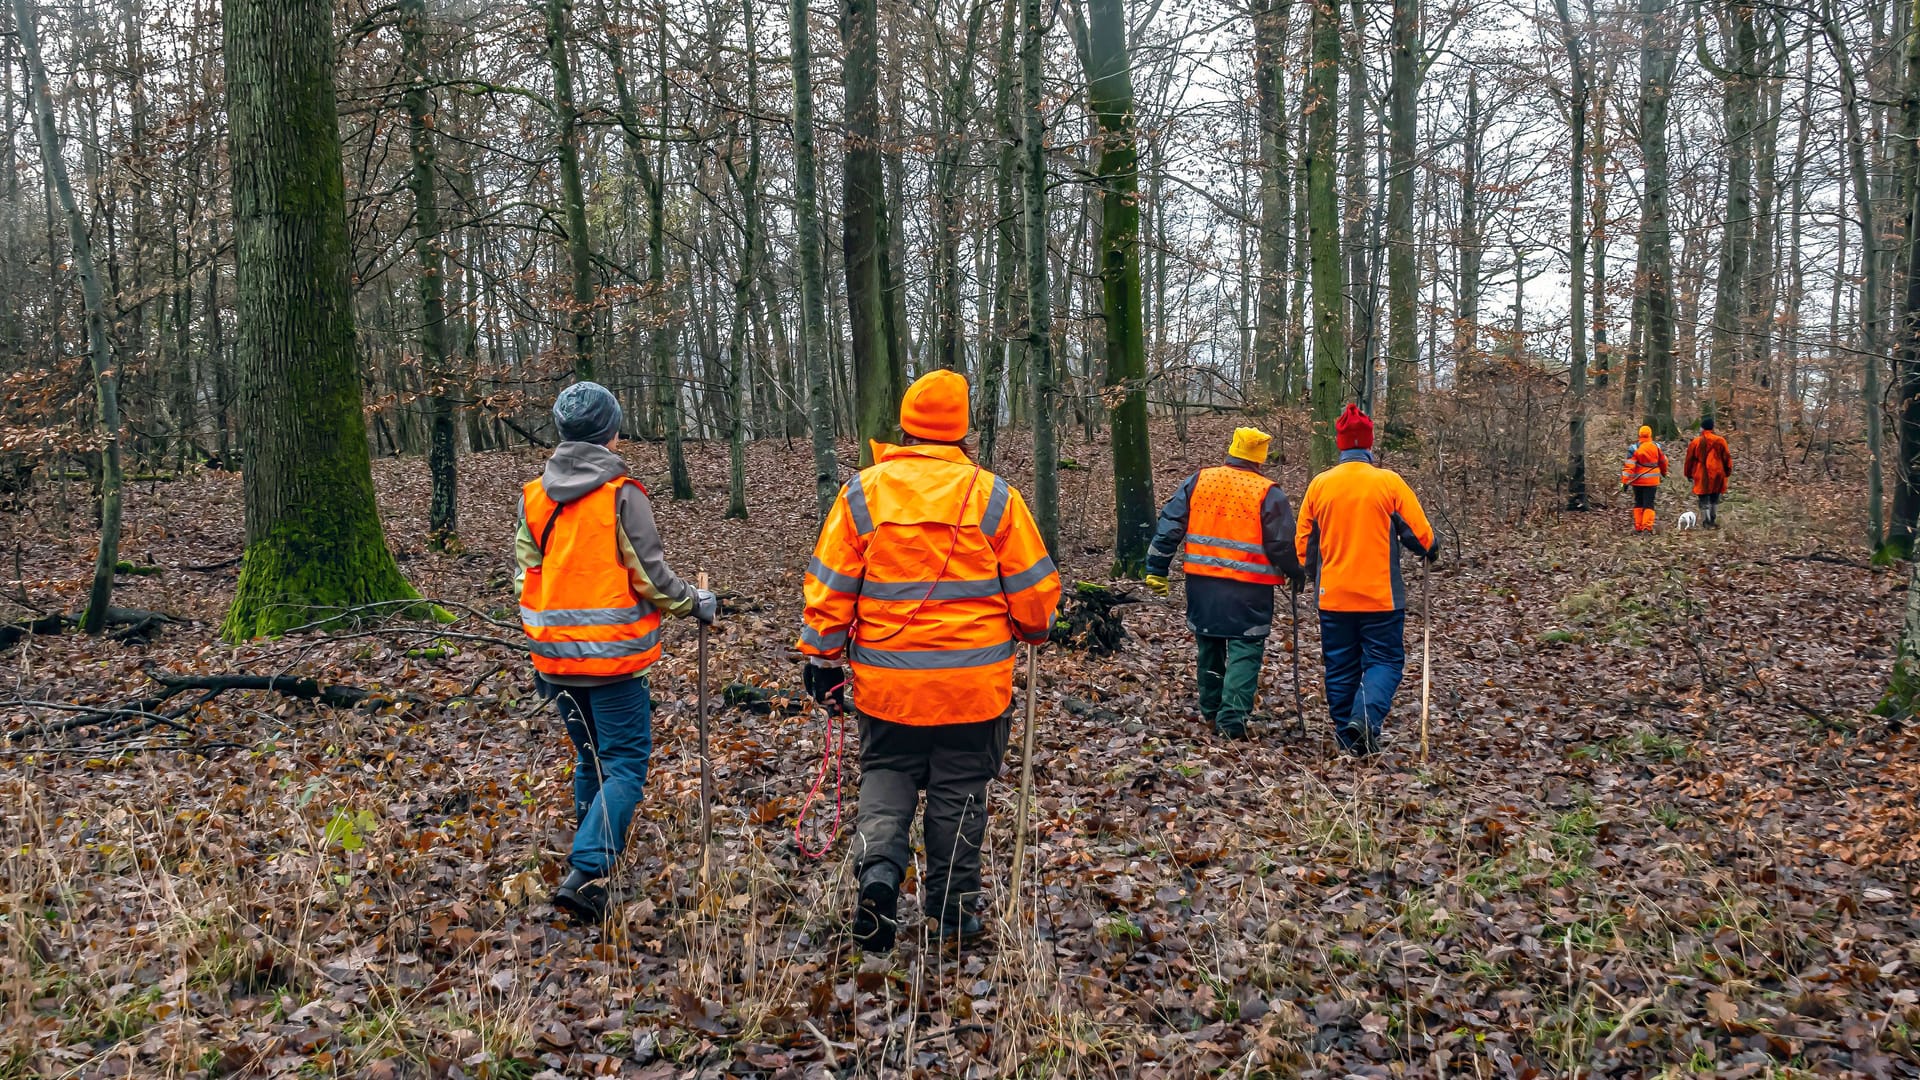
x,y
1660,831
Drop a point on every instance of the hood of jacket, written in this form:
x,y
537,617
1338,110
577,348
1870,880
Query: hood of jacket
x,y
578,469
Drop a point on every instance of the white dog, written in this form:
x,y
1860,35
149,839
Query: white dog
x,y
1688,521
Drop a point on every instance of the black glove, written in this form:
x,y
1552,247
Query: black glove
x,y
827,684
1297,584
1432,554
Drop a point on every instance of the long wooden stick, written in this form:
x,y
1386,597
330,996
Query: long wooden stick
x,y
1026,781
1426,652
706,770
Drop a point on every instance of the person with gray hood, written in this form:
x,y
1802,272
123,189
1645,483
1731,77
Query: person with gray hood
x,y
593,583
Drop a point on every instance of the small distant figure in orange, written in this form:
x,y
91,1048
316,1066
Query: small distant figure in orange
x,y
1709,463
1646,466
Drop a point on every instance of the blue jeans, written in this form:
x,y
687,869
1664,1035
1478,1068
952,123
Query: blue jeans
x,y
1366,654
612,728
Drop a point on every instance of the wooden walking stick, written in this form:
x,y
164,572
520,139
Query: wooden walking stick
x,y
1426,651
1298,709
706,770
1026,782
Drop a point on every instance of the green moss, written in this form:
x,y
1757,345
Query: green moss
x,y
314,568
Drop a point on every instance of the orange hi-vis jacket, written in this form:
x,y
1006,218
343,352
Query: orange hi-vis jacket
x,y
1224,529
1350,519
1709,463
578,605
927,570
1645,466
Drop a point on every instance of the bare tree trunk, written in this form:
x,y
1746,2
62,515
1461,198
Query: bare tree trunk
x,y
813,302
1402,276
572,195
1323,225
1577,97
1046,454
878,374
1270,24
1869,340
442,467
1657,63
99,348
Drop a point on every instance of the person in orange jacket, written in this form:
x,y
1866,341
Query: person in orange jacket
x,y
1709,462
927,572
1235,526
593,580
1646,466
1351,518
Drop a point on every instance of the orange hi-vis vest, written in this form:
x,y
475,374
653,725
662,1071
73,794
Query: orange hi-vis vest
x,y
578,606
927,571
1644,467
1224,532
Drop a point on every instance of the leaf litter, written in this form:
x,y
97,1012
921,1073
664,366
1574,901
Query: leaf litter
x,y
1660,829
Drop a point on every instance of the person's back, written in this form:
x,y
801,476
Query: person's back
x,y
927,571
1351,520
1353,515
1645,467
1709,463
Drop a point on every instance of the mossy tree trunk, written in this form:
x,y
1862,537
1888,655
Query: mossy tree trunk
x,y
314,542
1657,63
1270,24
1110,96
1403,360
1577,97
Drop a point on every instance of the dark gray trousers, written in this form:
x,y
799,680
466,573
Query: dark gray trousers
x,y
952,763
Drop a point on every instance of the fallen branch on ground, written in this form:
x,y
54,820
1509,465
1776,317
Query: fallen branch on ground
x,y
119,722
140,622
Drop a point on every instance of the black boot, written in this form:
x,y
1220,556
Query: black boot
x,y
582,898
960,926
875,915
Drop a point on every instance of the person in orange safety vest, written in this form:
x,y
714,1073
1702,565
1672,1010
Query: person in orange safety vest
x,y
928,571
1645,467
1709,462
593,582
1235,528
1352,518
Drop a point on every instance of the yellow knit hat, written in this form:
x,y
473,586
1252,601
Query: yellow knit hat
x,y
1250,444
1645,432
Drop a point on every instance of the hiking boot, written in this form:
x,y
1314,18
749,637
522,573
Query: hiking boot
x,y
582,898
1230,729
960,926
875,915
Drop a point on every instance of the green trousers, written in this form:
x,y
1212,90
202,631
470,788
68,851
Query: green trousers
x,y
1229,678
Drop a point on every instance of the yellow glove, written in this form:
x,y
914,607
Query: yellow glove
x,y
1157,584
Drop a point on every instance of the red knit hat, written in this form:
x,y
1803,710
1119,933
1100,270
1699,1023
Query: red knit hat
x,y
1354,430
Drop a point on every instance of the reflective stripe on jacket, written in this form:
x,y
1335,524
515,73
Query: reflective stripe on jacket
x,y
1709,463
1645,466
927,571
1350,519
578,605
1225,537
1223,606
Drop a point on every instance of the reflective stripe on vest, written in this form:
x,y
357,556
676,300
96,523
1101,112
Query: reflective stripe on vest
x,y
578,606
930,659
1224,527
1636,470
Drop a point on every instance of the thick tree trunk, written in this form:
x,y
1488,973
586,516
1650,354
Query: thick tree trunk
x,y
748,184
1110,96
573,197
1046,453
1466,320
93,297
878,376
314,543
1906,491
442,467
1739,95
997,342
1323,228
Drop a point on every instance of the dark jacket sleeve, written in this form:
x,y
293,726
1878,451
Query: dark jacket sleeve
x,y
1172,530
1277,534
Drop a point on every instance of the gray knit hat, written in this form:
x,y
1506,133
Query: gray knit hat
x,y
586,412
